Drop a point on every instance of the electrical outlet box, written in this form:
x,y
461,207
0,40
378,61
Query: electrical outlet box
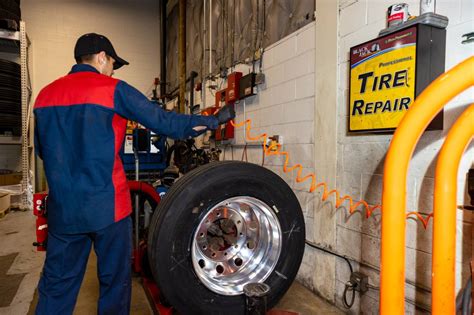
x,y
360,282
259,78
247,85
273,140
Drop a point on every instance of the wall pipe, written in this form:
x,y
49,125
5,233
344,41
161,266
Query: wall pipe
x,y
203,61
415,121
427,6
444,220
210,37
182,54
163,50
192,76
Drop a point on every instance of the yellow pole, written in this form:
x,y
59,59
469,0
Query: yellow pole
x,y
444,224
415,121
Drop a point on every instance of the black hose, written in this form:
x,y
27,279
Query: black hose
x,y
349,286
466,298
347,259
459,300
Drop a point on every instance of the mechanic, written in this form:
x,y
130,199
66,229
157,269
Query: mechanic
x,y
80,127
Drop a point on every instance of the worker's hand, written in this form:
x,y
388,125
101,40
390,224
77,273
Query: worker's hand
x,y
199,130
226,113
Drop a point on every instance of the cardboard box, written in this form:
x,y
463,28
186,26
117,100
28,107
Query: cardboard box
x,y
10,179
4,202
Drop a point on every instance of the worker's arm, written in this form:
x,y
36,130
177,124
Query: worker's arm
x,y
132,104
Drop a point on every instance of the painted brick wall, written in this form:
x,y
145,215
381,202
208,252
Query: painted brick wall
x,y
284,105
361,159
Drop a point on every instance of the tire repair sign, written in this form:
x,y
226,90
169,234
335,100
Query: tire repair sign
x,y
382,81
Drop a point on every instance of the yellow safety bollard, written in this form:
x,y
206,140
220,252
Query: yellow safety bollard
x,y
415,121
444,224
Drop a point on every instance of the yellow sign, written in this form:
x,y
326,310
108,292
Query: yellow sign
x,y
382,84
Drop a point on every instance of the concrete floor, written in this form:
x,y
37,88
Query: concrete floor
x,y
17,234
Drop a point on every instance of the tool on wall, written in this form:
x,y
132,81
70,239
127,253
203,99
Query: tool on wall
x,y
238,87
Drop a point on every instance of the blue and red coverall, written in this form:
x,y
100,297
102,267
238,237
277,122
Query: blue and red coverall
x,y
80,127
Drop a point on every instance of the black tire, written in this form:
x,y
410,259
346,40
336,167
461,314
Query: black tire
x,y
178,215
11,6
10,68
10,123
10,81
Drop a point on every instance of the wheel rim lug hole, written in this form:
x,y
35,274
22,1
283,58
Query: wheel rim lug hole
x,y
213,255
201,263
219,269
238,262
251,244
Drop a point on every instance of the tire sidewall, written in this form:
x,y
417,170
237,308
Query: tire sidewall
x,y
191,201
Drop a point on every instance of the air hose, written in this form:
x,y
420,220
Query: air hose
x,y
464,301
275,149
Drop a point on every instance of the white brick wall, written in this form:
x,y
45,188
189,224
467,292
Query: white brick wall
x,y
361,159
284,106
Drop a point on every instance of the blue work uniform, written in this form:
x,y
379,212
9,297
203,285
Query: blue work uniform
x,y
80,124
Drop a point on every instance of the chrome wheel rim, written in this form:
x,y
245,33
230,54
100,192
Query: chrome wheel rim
x,y
238,241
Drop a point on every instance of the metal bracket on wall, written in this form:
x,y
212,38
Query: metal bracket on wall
x,y
469,38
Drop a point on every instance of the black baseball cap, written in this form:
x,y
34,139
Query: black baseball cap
x,y
93,43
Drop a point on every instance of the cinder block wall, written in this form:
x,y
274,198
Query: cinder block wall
x,y
285,105
361,160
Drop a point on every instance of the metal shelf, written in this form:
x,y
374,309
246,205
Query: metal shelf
x,y
10,140
17,42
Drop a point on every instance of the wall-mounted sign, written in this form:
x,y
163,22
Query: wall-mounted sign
x,y
382,81
389,72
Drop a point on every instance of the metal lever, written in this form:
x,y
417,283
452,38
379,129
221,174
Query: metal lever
x,y
256,298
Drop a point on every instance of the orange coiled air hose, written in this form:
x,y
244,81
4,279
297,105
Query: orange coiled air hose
x,y
275,149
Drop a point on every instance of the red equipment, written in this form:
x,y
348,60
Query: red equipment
x,y
233,84
139,254
230,95
40,211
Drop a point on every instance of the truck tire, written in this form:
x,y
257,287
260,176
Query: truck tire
x,y
221,226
